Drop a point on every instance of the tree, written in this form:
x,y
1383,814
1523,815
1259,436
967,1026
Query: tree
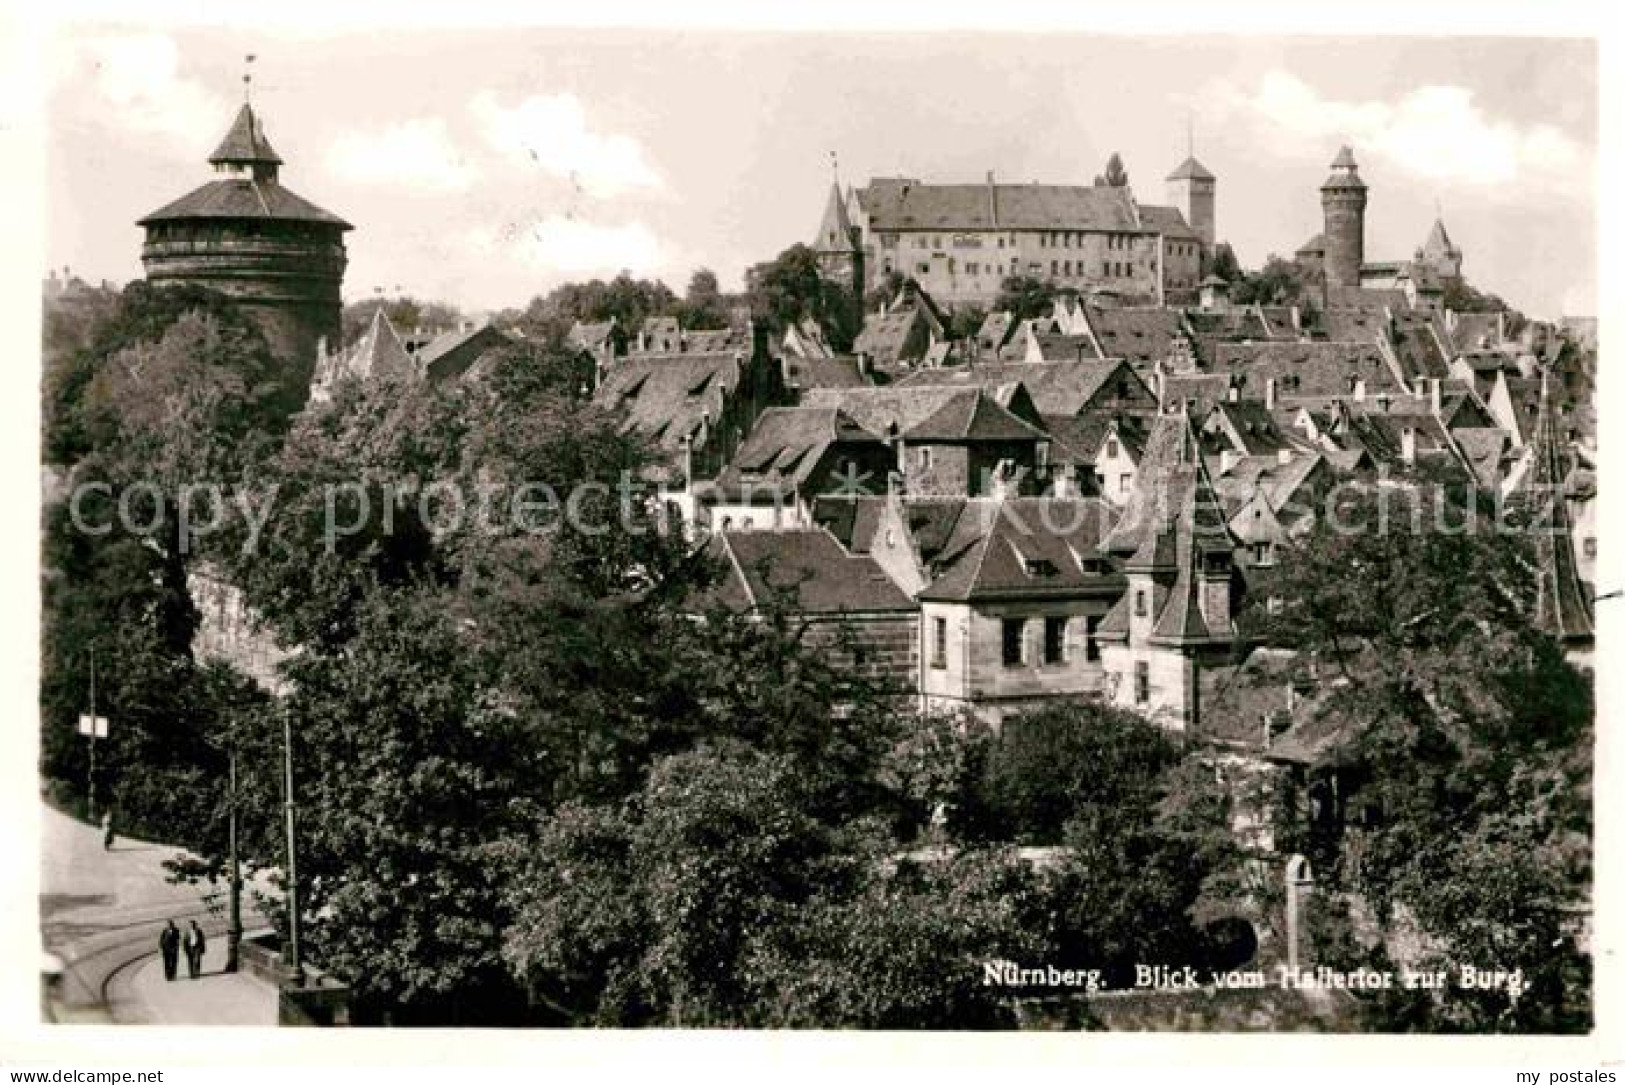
x,y
1465,745
407,313
1025,297
1278,282
1225,265
791,287
1115,176
704,306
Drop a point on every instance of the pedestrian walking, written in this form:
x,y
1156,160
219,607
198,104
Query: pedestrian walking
x,y
169,944
107,831
195,945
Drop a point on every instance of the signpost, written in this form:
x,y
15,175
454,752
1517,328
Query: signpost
x,y
94,727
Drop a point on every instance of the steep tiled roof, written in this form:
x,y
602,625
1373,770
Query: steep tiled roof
x,y
1137,334
666,396
887,337
879,409
1417,346
839,371
1028,547
1304,370
971,415
896,204
1055,347
1245,423
1278,320
787,442
995,330
852,520
1168,222
1315,245
379,352
1201,390
241,198
1171,486
590,336
245,142
806,567
1055,387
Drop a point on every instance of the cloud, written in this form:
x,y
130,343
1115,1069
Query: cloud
x,y
550,131
561,244
1434,132
138,78
413,153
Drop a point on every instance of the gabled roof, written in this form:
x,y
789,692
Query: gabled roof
x,y
788,443
453,347
853,520
379,353
807,569
245,142
972,415
887,337
901,408
1190,170
1055,347
1024,548
1485,449
836,371
1171,487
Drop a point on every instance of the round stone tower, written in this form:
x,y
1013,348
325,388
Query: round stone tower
x,y
1342,199
279,256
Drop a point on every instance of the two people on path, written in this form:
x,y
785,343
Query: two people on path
x,y
171,941
169,944
195,945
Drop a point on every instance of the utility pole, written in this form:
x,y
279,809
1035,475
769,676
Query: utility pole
x,y
90,783
234,920
292,957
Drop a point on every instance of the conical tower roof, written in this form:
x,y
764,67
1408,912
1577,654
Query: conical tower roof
x,y
1345,172
1191,170
1438,240
379,352
245,143
835,231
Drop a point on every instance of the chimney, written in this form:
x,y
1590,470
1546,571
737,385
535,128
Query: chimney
x,y
1269,394
1435,398
992,202
1407,445
1233,394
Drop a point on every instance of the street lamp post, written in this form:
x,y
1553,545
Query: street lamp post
x,y
234,920
295,967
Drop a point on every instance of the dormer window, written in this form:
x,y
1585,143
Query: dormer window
x,y
1041,567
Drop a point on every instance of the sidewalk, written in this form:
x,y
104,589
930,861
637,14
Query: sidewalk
x,y
142,996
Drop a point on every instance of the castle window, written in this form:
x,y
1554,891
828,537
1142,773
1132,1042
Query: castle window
x,y
939,643
1066,268
1055,640
1262,554
1014,632
1054,267
1142,682
925,459
1139,603
1066,240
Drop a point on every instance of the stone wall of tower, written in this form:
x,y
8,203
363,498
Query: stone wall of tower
x,y
1197,200
287,276
1345,234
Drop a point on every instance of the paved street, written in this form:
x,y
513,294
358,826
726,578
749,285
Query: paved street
x,y
100,913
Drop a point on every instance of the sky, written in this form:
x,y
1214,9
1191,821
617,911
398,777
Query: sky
x,y
484,167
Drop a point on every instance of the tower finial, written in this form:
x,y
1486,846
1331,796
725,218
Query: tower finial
x,y
1190,134
834,169
248,79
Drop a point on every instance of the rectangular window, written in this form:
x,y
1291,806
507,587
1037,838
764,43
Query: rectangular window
x,y
1066,268
1054,267
1261,553
1122,483
1111,445
1054,640
925,459
1091,647
1139,603
939,643
1142,682
1015,630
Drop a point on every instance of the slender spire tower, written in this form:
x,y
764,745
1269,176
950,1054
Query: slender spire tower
x,y
1342,200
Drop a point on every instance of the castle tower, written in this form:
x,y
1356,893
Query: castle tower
x,y
280,257
1191,189
1342,199
836,245
1440,253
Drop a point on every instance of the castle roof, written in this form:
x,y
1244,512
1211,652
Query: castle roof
x,y
245,142
835,231
1345,173
1024,547
1191,170
242,198
900,204
1438,241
